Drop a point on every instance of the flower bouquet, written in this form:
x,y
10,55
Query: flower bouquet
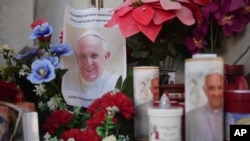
x,y
104,119
220,19
37,67
37,71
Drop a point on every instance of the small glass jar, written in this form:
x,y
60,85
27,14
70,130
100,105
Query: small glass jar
x,y
232,73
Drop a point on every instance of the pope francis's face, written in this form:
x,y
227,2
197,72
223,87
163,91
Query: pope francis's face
x,y
92,56
155,90
214,90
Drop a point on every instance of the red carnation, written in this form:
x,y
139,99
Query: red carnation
x,y
80,135
125,105
95,106
61,37
123,102
56,119
72,133
9,91
38,22
97,119
89,135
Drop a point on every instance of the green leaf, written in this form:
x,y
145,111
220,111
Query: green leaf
x,y
86,115
127,86
134,44
160,51
148,62
110,126
10,70
140,53
100,131
59,73
77,109
119,83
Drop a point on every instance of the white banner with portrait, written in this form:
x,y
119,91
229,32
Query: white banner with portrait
x,y
99,56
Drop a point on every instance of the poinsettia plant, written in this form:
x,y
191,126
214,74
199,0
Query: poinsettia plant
x,y
174,30
103,119
156,28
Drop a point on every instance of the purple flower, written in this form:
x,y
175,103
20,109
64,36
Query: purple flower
x,y
245,12
196,42
41,31
225,12
231,5
231,24
61,49
42,71
212,10
26,52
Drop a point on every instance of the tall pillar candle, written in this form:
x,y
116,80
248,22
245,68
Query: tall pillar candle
x,y
146,90
204,90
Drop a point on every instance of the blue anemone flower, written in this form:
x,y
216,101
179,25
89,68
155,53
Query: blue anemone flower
x,y
54,61
61,49
26,52
41,30
42,71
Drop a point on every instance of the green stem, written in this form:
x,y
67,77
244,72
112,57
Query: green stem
x,y
44,45
212,36
169,58
53,83
8,62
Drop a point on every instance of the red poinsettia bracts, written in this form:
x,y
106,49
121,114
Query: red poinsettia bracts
x,y
148,16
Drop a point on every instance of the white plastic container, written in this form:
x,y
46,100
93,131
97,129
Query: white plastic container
x,y
165,124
